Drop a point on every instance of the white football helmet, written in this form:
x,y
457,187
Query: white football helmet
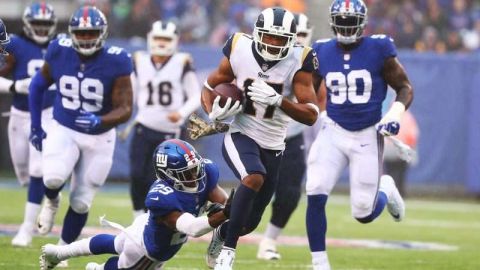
x,y
162,38
304,29
277,22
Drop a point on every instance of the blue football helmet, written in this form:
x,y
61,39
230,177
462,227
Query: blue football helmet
x,y
4,38
348,18
88,30
39,22
178,163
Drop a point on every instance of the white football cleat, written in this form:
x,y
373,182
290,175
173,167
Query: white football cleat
x,y
46,218
267,250
94,266
23,238
48,258
395,204
225,259
214,248
321,264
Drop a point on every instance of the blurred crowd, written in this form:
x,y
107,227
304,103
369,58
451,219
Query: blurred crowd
x,y
199,21
427,25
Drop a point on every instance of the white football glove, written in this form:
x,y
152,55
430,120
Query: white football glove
x,y
218,113
389,125
21,86
263,93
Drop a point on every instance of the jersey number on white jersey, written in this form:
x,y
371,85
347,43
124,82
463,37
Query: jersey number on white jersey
x,y
164,93
250,108
346,87
86,94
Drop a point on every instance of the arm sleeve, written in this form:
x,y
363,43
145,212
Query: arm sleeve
x,y
37,87
388,47
227,48
193,226
309,60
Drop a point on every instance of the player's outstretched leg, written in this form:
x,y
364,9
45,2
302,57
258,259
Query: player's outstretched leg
x,y
36,191
317,230
395,204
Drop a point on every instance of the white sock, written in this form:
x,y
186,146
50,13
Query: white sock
x,y
320,258
272,231
75,249
31,213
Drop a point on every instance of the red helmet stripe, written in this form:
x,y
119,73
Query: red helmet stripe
x,y
183,146
85,13
43,6
347,5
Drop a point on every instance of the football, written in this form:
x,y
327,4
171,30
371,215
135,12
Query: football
x,y
228,90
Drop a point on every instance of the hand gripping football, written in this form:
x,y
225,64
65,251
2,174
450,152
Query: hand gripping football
x,y
228,90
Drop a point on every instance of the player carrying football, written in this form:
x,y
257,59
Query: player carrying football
x,y
271,71
357,71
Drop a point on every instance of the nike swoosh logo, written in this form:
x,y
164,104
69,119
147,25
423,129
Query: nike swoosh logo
x,y
155,198
278,154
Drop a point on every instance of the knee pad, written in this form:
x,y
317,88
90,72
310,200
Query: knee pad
x,y
79,206
53,183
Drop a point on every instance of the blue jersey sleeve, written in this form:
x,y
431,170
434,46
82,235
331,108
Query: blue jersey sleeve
x,y
387,44
53,49
212,174
12,46
122,61
162,199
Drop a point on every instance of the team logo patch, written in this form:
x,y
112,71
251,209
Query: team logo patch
x,y
161,160
315,62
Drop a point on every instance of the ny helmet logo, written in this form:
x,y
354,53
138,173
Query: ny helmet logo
x,y
161,160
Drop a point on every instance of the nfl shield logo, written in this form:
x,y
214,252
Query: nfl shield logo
x,y
264,67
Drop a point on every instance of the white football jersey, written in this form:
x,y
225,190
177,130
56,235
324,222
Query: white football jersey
x,y
267,125
160,91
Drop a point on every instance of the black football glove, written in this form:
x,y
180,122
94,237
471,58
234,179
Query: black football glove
x,y
214,208
228,204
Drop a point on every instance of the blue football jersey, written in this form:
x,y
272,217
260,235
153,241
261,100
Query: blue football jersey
x,y
28,59
84,85
161,242
355,84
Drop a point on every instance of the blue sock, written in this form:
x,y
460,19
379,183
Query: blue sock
x,y
379,206
316,222
103,244
223,229
36,190
111,264
73,225
52,193
239,214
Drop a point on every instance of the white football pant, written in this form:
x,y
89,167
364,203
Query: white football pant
x,y
334,149
88,158
27,161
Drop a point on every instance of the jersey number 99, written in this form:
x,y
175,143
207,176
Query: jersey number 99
x,y
86,94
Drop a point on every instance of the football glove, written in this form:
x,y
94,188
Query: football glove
x,y
218,113
390,123
263,93
21,86
228,204
197,127
36,137
88,121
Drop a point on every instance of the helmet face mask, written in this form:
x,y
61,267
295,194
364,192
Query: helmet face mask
x,y
4,40
178,163
39,22
162,39
274,34
88,30
348,18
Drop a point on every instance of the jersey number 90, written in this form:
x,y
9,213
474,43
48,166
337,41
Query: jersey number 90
x,y
347,87
86,94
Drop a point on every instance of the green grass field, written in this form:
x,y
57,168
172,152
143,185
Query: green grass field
x,y
443,222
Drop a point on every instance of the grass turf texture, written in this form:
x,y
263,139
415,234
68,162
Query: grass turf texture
x,y
451,223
